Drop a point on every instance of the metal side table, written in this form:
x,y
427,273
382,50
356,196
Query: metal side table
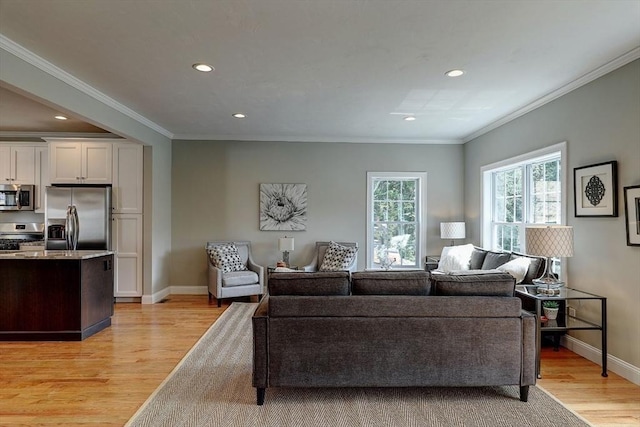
x,y
532,301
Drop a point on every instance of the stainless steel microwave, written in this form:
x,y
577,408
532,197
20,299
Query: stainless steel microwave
x,y
15,197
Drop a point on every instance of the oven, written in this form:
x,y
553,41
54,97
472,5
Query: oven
x,y
21,236
16,197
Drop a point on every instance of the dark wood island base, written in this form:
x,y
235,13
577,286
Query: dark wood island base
x,y
54,297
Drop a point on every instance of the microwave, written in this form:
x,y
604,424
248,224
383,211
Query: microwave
x,y
16,197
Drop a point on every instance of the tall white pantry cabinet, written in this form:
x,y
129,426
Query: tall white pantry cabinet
x,y
120,164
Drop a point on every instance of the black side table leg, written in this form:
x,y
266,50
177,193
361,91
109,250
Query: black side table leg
x,y
604,337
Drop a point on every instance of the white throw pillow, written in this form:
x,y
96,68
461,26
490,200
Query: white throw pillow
x,y
455,258
227,258
338,257
517,267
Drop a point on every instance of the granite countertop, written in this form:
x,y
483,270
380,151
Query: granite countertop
x,y
61,254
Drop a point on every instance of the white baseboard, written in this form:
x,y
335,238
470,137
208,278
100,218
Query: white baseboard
x,y
620,367
175,290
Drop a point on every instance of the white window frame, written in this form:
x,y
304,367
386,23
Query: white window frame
x,y
421,215
486,235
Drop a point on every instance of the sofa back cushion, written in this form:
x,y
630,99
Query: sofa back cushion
x,y
390,283
311,283
477,258
483,284
536,267
495,259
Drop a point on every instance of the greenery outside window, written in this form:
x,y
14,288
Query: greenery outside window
x,y
395,224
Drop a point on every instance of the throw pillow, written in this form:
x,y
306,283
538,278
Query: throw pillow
x,y
227,258
454,258
517,267
338,257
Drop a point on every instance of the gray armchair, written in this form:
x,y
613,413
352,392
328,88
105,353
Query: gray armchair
x,y
235,283
321,249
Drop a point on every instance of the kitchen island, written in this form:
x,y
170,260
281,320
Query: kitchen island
x,y
55,295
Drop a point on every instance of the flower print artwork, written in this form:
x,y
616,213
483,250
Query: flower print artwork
x,y
283,207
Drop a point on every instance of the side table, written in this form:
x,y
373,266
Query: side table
x,y
532,301
431,262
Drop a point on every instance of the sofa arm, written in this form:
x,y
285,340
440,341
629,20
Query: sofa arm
x,y
528,349
260,324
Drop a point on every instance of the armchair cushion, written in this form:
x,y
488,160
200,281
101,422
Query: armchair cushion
x,y
227,258
338,257
239,278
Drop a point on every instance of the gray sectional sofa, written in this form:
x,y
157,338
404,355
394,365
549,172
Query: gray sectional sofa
x,y
392,329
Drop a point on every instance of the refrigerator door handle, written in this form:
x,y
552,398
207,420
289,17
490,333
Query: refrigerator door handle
x,y
72,228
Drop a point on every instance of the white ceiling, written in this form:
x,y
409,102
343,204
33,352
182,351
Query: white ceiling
x,y
322,70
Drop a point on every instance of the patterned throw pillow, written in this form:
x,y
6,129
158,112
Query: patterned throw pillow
x,y
226,258
338,257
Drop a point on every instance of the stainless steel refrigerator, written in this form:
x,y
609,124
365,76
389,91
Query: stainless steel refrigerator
x,y
78,217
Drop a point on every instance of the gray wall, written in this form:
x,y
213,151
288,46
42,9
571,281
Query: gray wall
x,y
216,194
600,122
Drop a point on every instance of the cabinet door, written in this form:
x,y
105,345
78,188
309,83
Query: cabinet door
x,y
42,177
23,165
127,178
65,162
127,242
96,163
5,164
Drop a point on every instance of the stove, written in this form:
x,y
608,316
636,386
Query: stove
x,y
13,234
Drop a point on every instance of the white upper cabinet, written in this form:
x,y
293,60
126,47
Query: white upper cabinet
x,y
127,178
17,164
80,162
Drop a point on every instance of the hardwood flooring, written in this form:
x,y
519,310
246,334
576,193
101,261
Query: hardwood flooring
x,y
104,379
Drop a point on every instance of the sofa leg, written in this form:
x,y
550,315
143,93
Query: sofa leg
x,y
524,393
219,301
260,392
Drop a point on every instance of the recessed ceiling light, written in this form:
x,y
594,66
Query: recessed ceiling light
x,y
205,68
239,115
409,118
60,117
454,73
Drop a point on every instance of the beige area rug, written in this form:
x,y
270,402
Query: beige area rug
x,y
211,386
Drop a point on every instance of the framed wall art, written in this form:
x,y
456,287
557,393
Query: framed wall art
x,y
283,207
632,214
596,190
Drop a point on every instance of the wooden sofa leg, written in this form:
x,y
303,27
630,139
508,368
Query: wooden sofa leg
x,y
524,393
260,392
219,301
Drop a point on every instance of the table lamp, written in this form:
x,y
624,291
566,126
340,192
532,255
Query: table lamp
x,y
285,244
452,230
552,241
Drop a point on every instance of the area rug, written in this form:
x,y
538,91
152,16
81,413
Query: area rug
x,y
211,386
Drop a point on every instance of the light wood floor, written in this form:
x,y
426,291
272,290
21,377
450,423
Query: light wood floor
x,y
104,379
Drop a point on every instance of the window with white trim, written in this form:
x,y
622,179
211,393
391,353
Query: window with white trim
x,y
395,219
526,190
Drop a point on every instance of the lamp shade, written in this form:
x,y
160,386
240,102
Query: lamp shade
x,y
550,241
285,244
452,230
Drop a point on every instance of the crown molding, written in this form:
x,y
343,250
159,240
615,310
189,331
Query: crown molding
x,y
47,67
350,140
620,61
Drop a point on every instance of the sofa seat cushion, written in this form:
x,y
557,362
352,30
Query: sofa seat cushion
x,y
309,283
390,283
486,284
239,278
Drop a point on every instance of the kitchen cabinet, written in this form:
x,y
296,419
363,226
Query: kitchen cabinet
x,y
127,243
127,178
41,177
17,164
80,162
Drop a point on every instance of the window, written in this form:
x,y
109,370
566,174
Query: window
x,y
395,223
522,191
